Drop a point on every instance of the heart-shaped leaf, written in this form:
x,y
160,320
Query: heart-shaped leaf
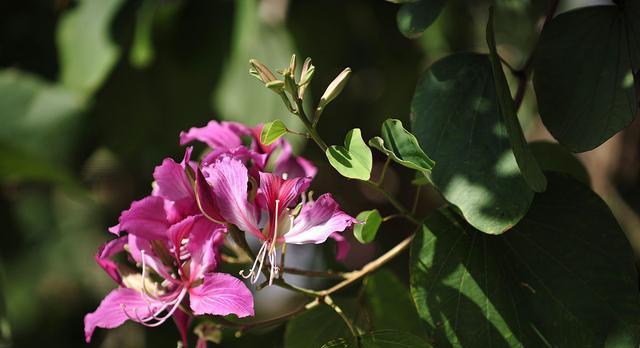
x,y
583,73
272,131
366,232
563,277
354,159
401,146
526,162
457,121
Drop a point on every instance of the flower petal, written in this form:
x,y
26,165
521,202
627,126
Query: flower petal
x,y
146,218
274,187
174,185
291,165
216,134
106,251
221,294
112,311
206,201
228,178
317,221
204,240
342,246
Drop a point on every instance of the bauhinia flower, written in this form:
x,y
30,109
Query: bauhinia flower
x,y
170,237
275,199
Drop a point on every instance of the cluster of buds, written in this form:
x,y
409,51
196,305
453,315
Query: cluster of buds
x,y
174,239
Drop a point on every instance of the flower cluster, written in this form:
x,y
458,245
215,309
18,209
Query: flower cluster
x,y
174,236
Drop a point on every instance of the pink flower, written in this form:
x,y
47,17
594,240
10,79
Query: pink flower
x,y
169,236
226,138
275,199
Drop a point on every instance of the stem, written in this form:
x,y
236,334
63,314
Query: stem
x,y
384,171
338,310
393,201
320,274
267,322
523,73
313,133
416,198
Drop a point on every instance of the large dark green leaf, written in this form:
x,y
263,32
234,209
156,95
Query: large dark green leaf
x,y
310,329
414,17
390,305
380,339
456,120
526,162
5,330
583,74
552,157
563,277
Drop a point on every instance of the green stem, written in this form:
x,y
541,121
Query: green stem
x,y
384,171
340,312
393,201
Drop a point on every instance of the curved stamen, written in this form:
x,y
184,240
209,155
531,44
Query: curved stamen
x,y
259,261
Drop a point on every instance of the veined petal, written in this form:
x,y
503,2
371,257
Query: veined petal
x,y
274,187
291,165
229,179
116,308
146,218
221,294
139,247
174,185
106,251
206,200
204,241
216,134
317,221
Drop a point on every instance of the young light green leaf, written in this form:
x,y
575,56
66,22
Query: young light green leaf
x,y
272,131
564,276
86,51
457,122
529,168
583,73
401,146
366,232
353,160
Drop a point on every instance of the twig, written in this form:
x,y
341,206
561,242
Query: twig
x,y
329,302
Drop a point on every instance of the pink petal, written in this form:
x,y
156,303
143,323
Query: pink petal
x,y
228,179
106,251
293,166
146,218
215,134
173,184
221,294
274,187
203,246
206,201
182,321
342,246
112,311
137,245
317,221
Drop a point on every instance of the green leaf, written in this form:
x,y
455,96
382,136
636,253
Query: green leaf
x,y
238,97
142,52
366,232
390,305
583,74
319,324
272,131
529,168
554,158
38,119
414,17
85,49
401,146
563,277
380,339
353,160
455,118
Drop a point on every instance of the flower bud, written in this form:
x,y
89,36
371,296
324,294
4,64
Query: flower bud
x,y
335,88
263,72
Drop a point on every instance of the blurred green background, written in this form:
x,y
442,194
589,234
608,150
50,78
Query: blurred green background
x,y
93,95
